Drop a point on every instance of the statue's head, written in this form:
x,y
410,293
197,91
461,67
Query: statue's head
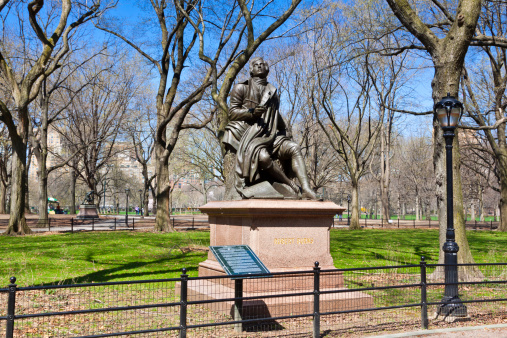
x,y
259,67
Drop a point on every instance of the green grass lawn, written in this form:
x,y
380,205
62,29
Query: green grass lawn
x,y
375,247
115,256
100,256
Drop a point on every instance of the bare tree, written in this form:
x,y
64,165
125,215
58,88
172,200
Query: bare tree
x,y
52,103
96,118
142,134
5,172
25,79
292,69
486,94
345,116
228,49
390,81
446,38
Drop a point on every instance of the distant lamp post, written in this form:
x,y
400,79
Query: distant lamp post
x,y
141,201
348,209
104,203
127,207
449,111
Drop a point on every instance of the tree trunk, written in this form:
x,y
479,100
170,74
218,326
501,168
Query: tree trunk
x,y
502,226
417,212
27,188
385,169
481,205
146,200
43,191
17,222
472,211
162,220
43,198
466,273
204,192
354,217
3,198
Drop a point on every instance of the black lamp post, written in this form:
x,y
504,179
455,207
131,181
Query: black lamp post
x,y
127,207
141,201
449,111
104,204
348,209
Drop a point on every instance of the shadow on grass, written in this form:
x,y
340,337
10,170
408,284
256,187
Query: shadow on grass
x,y
123,272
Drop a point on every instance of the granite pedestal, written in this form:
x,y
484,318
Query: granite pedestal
x,y
87,211
287,236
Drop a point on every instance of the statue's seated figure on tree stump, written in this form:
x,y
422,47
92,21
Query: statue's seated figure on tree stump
x,y
266,158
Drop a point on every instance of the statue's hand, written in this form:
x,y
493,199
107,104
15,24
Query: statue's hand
x,y
258,111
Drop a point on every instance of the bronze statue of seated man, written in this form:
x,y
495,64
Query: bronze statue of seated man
x,y
256,133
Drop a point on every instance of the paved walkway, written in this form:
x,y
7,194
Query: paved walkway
x,y
486,331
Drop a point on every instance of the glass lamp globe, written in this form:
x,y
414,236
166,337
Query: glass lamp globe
x,y
449,111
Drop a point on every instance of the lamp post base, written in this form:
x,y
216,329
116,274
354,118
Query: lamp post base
x,y
452,307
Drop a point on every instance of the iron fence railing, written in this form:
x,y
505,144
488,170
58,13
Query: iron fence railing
x,y
96,224
302,303
413,224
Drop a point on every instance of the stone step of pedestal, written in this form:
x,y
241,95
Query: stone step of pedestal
x,y
298,281
278,306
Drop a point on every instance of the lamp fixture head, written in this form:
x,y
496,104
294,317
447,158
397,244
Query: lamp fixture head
x,y
448,111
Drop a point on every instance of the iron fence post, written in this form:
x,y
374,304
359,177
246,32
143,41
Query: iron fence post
x,y
93,224
115,224
491,224
414,223
133,226
424,300
183,302
11,304
49,224
72,225
173,222
238,305
398,221
316,301
192,223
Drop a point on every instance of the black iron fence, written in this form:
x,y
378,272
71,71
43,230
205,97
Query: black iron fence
x,y
413,224
304,303
110,224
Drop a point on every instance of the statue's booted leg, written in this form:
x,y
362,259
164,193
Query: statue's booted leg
x,y
271,167
299,168
290,149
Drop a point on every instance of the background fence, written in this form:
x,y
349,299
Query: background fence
x,y
413,224
299,304
67,224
